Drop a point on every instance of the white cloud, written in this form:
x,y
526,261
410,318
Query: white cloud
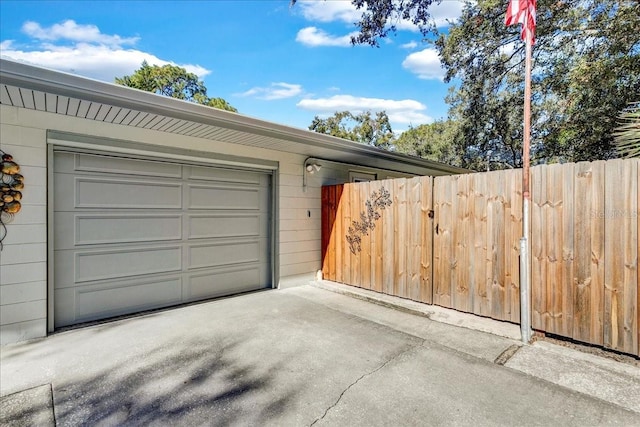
x,y
279,90
329,11
84,50
425,63
70,30
312,36
446,11
411,45
345,11
399,111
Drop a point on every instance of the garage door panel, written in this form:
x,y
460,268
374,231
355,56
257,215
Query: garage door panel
x,y
91,163
92,265
223,282
74,192
130,235
71,163
219,254
129,194
222,197
224,225
72,230
223,175
74,305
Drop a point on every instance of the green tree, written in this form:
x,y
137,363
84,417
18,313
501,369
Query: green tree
x,y
172,81
586,70
363,128
435,141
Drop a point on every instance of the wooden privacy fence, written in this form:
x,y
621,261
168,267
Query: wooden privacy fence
x,y
584,247
454,241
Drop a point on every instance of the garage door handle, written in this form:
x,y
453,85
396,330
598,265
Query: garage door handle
x,y
437,225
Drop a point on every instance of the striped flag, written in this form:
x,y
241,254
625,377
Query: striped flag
x,y
522,12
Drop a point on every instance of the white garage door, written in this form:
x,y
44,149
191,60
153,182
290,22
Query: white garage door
x,y
133,235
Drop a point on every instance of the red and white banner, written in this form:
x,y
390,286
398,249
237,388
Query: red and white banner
x,y
522,12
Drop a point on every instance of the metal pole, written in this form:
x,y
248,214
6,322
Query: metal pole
x,y
525,294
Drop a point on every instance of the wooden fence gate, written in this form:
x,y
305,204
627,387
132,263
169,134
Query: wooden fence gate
x,y
454,241
373,236
478,226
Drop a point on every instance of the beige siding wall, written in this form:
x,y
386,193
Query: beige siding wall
x,y
23,286
23,261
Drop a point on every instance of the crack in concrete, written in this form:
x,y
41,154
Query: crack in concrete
x,y
507,354
53,406
362,377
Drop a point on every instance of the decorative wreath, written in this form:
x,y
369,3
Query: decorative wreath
x,y
11,182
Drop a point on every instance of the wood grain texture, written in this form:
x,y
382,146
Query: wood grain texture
x,y
325,231
414,238
426,238
400,230
346,250
442,249
588,272
365,254
388,245
356,209
621,252
331,251
479,279
583,241
496,238
460,229
338,233
377,246
512,253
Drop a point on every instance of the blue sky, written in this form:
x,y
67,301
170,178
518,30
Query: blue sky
x,y
267,59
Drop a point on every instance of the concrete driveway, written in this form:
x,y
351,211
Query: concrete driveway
x,y
301,356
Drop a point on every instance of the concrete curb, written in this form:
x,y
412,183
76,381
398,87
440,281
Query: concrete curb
x,y
432,312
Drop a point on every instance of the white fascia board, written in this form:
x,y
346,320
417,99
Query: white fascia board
x,y
64,84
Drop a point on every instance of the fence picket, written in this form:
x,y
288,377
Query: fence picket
x,y
365,253
621,249
400,232
338,233
377,246
588,302
331,252
426,237
414,243
513,228
346,250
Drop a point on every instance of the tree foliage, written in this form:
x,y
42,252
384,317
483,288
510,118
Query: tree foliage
x,y
586,70
172,81
381,17
433,141
364,128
